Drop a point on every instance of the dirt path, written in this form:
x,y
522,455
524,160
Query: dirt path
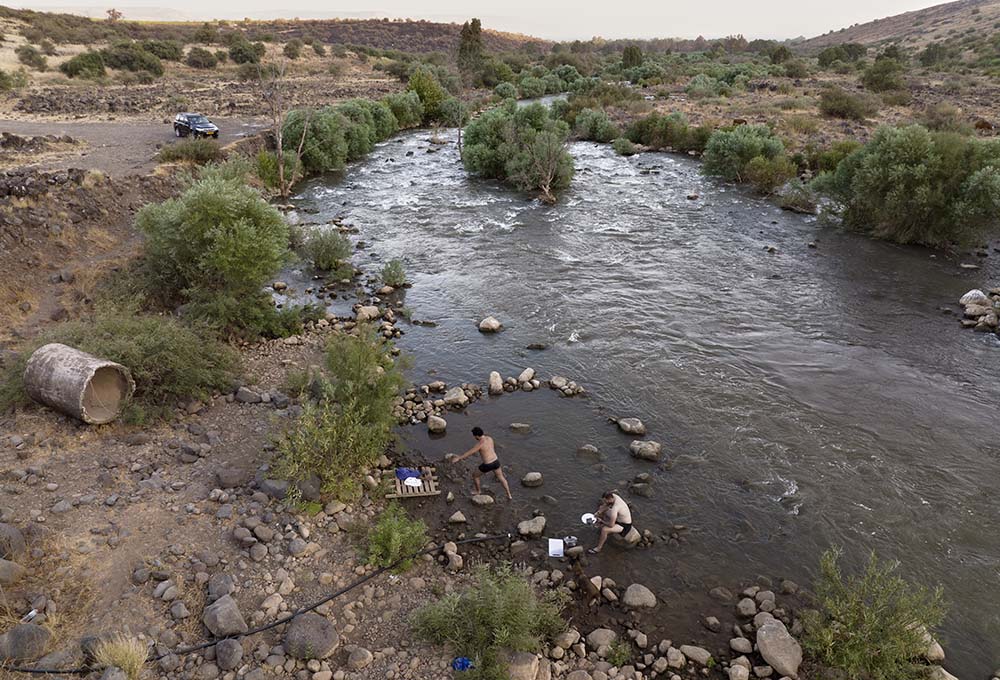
x,y
117,148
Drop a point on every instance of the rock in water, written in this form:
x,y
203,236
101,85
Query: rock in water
x,y
437,424
532,479
223,618
490,325
531,528
311,636
526,375
456,396
779,649
367,313
638,595
496,383
974,296
631,426
558,382
646,450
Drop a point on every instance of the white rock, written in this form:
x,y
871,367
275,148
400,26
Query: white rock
x,y
696,654
638,596
974,296
456,396
780,650
526,375
367,313
646,450
437,424
490,325
557,382
738,673
631,426
496,383
457,518
531,528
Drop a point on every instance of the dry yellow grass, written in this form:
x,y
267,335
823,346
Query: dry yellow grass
x,y
122,651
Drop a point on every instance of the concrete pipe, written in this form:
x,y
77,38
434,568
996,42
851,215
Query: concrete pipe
x,y
77,384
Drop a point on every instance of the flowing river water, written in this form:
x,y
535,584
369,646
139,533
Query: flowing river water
x,y
805,398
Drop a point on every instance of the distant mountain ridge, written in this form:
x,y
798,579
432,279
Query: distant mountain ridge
x,y
917,28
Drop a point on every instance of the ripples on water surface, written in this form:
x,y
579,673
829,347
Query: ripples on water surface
x,y
806,398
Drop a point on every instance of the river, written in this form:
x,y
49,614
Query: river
x,y
806,397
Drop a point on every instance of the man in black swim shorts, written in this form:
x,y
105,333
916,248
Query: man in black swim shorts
x,y
484,445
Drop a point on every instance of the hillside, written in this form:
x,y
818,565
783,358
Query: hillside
x,y
918,28
400,34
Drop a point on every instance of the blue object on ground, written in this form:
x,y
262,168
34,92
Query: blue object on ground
x,y
405,473
461,663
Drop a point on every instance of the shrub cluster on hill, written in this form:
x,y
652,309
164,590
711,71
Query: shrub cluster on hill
x,y
525,146
911,185
198,57
839,103
88,65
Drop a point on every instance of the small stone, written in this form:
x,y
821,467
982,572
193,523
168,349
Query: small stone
x,y
646,450
228,654
746,607
359,658
639,596
311,636
223,618
457,518
741,645
436,424
490,325
482,500
696,654
531,528
631,426
532,479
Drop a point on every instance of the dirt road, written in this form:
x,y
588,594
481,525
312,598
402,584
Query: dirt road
x,y
117,148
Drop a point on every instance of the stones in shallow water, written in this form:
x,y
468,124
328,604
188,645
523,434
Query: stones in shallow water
x,y
436,424
520,428
490,325
532,479
646,450
496,383
631,426
639,596
456,396
531,528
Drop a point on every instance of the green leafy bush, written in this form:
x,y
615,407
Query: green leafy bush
x,y
214,247
884,75
524,146
911,185
129,56
198,57
531,87
406,107
13,81
349,426
704,85
944,117
670,131
293,49
500,612
198,151
393,274
430,92
846,53
265,167
505,91
394,537
327,249
623,147
872,624
729,152
828,159
168,50
594,124
31,57
325,147
169,361
768,174
244,52
796,68
88,65
839,103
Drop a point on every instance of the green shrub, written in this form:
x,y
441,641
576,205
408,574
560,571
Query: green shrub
x,y
244,52
198,57
350,425
393,274
768,174
911,185
13,81
169,361
198,151
594,124
845,54
406,107
797,68
129,56
531,88
885,74
430,92
829,159
214,247
327,249
729,152
221,56
620,653
839,103
46,47
872,624
168,50
394,537
944,117
318,48
704,85
524,146
505,91
265,167
325,147
501,612
623,147
31,57
293,49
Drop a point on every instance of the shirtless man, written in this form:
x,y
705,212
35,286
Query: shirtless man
x,y
615,517
484,445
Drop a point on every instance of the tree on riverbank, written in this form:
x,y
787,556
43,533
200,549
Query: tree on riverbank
x,y
524,146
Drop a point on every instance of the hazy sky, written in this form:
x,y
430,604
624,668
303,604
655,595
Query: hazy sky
x,y
554,19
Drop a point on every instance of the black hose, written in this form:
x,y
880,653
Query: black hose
x,y
268,626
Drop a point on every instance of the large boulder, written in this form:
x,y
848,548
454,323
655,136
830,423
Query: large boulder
x,y
496,383
631,426
367,313
522,666
646,450
223,618
780,650
638,596
490,325
974,296
532,528
12,545
456,396
436,424
24,642
311,636
601,637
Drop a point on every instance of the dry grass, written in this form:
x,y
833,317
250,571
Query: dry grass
x,y
122,651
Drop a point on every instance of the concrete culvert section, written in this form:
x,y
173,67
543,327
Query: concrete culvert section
x,y
77,384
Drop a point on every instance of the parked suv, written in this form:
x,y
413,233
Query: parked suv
x,y
194,124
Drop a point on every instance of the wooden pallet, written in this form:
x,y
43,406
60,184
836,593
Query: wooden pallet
x,y
428,485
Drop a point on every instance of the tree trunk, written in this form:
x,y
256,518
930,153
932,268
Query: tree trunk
x,y
75,383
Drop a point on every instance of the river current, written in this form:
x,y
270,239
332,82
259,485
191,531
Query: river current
x,y
805,397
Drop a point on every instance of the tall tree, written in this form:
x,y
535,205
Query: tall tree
x,y
470,48
632,56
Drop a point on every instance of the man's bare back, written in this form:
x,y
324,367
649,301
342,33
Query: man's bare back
x,y
491,463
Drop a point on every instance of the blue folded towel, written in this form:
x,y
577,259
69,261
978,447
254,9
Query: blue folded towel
x,y
404,473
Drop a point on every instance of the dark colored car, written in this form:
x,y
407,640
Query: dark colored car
x,y
194,124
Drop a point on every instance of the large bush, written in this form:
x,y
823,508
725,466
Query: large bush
x,y
169,361
839,103
871,625
884,75
168,50
327,249
406,107
729,152
429,90
214,247
394,538
243,51
524,146
671,131
911,185
505,91
531,87
129,56
594,124
501,612
198,57
31,57
198,151
85,65
325,146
